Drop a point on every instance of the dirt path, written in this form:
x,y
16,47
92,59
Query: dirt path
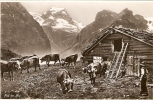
x,y
42,84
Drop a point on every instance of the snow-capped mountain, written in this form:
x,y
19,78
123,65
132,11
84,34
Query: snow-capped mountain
x,y
37,17
58,19
150,23
61,29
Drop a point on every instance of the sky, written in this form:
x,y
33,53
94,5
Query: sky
x,y
85,11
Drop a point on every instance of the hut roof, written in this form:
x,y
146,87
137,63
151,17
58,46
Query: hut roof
x,y
142,36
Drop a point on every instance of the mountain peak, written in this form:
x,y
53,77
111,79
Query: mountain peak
x,y
126,11
54,10
106,10
57,9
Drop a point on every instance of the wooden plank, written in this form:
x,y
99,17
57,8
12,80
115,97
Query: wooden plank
x,y
104,48
117,35
140,46
105,44
140,49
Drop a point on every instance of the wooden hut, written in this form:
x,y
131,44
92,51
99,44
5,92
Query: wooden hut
x,y
132,45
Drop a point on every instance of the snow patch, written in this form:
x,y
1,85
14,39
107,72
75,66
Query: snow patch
x,y
61,23
51,17
63,12
55,10
37,17
79,25
44,13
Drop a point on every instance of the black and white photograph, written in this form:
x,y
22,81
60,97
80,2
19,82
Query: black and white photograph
x,y
76,49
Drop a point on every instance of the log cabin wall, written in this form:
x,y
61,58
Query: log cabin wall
x,y
136,51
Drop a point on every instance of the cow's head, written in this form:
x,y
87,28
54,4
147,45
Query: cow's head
x,y
14,64
17,65
62,61
67,85
42,59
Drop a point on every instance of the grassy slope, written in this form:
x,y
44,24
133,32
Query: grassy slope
x,y
42,84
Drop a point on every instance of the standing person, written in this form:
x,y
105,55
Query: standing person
x,y
143,79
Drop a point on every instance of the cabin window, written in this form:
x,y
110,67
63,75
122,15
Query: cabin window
x,y
118,45
104,58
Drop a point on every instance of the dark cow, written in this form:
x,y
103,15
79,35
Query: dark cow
x,y
32,61
51,57
9,67
70,59
65,79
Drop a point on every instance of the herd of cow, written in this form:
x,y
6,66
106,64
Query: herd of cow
x,y
33,61
63,76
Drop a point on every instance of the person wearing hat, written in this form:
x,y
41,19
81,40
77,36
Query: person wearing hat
x,y
143,79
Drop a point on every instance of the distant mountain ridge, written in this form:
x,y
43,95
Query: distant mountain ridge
x,y
106,19
102,20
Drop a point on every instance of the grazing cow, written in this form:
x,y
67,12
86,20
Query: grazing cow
x,y
51,57
65,79
93,70
30,62
70,59
9,67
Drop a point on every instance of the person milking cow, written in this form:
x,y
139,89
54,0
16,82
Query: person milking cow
x,y
143,79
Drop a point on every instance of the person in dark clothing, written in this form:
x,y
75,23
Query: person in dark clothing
x,y
143,79
104,69
122,72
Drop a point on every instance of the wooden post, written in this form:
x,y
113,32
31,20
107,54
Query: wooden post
x,y
138,66
133,63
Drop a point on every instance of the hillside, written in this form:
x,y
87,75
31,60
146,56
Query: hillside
x,y
43,85
20,32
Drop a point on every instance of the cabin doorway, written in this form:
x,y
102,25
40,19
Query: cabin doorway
x,y
133,65
104,58
118,45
